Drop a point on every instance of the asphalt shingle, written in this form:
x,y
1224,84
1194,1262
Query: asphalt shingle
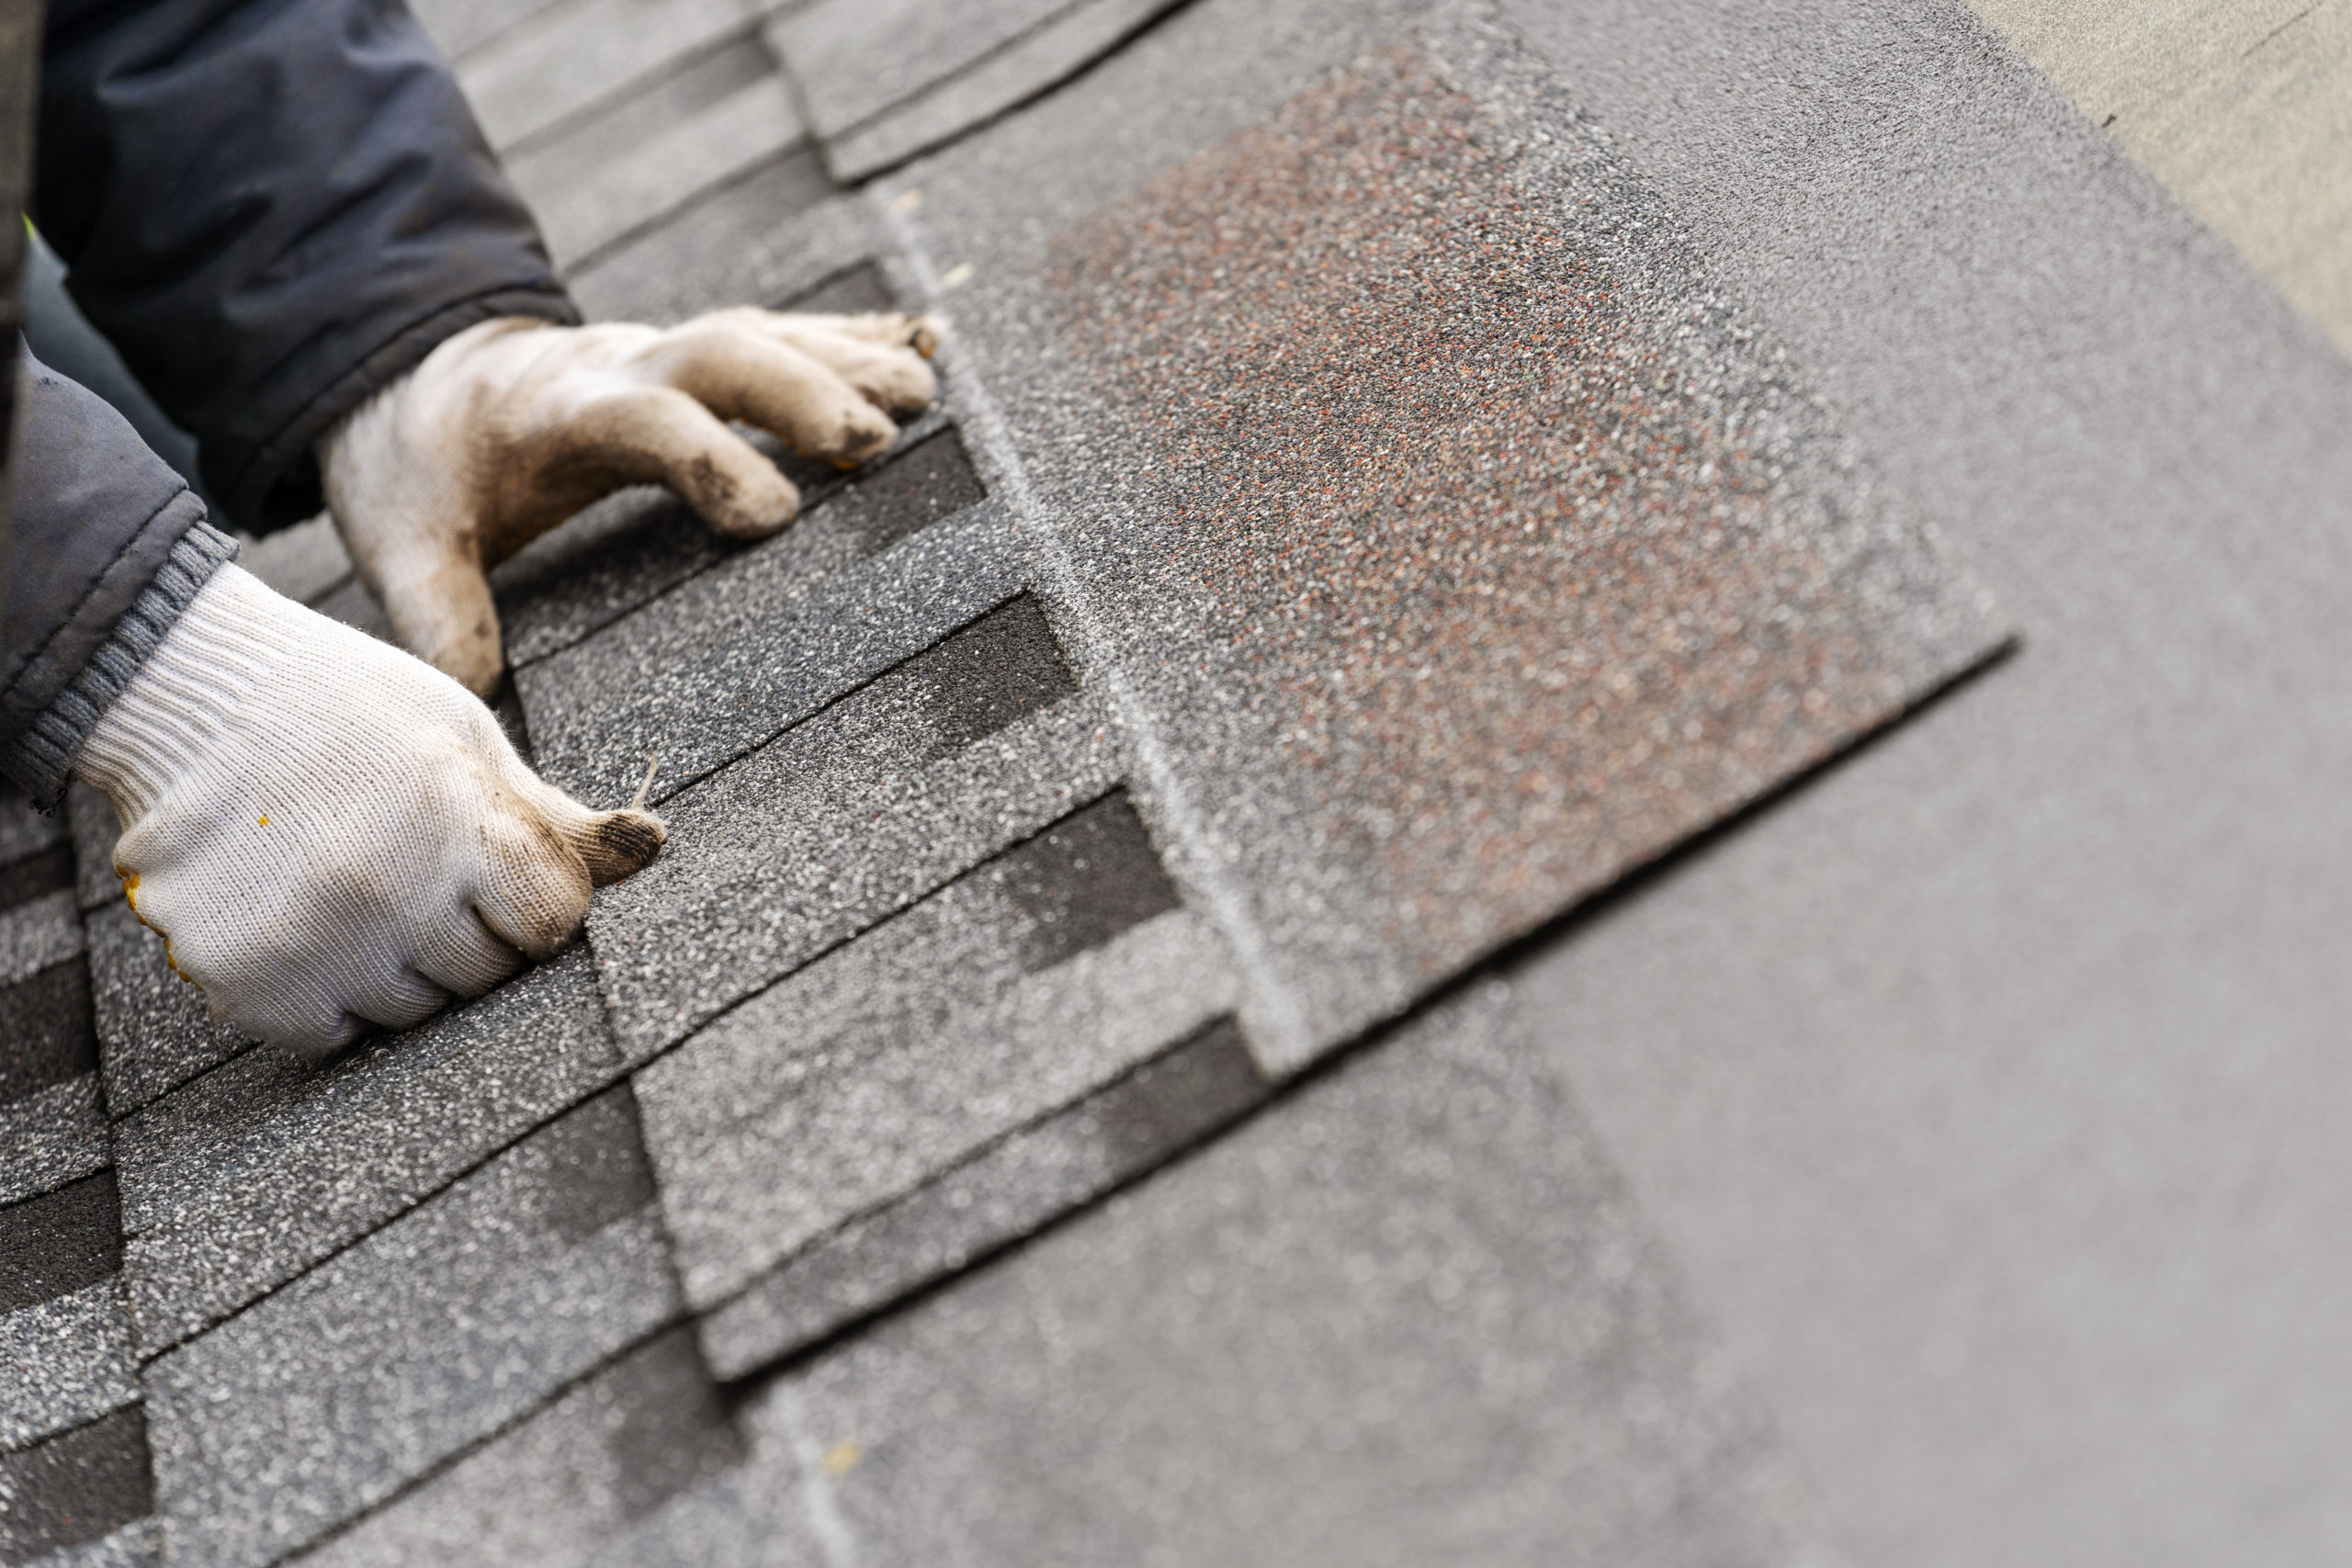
x,y
998,1196
91,816
430,1334
883,86
23,830
1023,985
80,1498
154,1028
858,812
1330,1337
633,547
577,53
50,1137
776,231
641,1464
39,934
243,1178
712,121
64,1361
757,644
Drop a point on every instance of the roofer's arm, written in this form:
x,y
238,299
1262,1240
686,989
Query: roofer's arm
x,y
282,214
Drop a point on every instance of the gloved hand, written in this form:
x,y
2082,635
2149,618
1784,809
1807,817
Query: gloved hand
x,y
330,833
512,425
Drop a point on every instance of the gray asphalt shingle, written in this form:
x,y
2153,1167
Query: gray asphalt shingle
x,y
641,1464
238,1182
1024,984
51,1136
753,646
632,547
1462,550
574,54
155,1031
778,230
430,1334
80,1498
64,1361
853,814
998,1196
606,177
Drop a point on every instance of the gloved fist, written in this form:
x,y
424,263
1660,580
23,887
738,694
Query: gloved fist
x,y
512,425
329,833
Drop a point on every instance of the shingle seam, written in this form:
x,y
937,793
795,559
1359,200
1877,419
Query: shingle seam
x,y
996,1141
472,1446
668,215
635,86
670,790
948,78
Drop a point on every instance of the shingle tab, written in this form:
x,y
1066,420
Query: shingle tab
x,y
237,1181
95,831
763,238
994,1002
636,1465
428,1335
50,1137
881,85
856,813
64,1361
154,1028
35,935
751,646
998,1196
631,164
45,1019
56,1244
75,1490
578,53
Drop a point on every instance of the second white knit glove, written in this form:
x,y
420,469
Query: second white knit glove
x,y
328,832
512,425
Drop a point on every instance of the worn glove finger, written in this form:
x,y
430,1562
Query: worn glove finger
x,y
611,844
663,435
893,377
534,888
739,374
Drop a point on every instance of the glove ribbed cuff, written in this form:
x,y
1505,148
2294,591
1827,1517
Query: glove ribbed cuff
x,y
185,700
41,758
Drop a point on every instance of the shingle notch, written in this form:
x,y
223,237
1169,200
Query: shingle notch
x,y
78,1486
45,1032
60,1241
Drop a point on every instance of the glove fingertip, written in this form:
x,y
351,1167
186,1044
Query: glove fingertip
x,y
615,844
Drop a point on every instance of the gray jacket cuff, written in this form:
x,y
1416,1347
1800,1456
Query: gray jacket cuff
x,y
40,757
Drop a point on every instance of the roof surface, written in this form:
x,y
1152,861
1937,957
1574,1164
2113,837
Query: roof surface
x,y
1296,932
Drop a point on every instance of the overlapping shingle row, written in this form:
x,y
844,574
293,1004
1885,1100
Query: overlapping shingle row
x,y
1020,839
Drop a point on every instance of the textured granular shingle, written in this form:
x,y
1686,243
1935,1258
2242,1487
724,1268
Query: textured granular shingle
x,y
853,814
467,1313
1021,987
1495,555
154,1028
998,1195
751,646
238,1180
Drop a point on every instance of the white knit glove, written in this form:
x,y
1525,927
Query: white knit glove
x,y
512,425
330,833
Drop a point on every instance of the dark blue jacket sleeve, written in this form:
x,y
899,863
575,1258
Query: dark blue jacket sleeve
x,y
109,548
273,208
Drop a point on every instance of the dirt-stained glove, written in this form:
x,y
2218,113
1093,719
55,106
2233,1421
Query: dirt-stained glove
x,y
330,833
511,427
